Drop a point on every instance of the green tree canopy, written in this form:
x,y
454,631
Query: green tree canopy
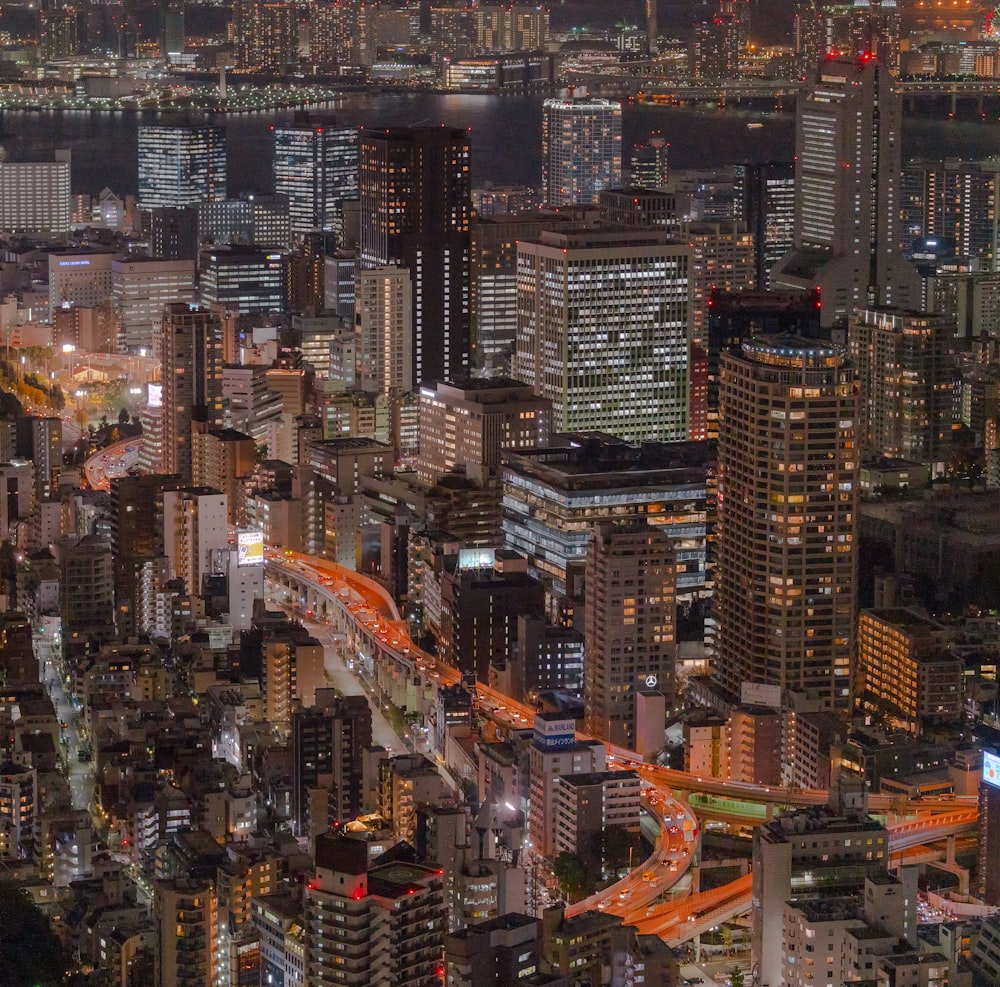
x,y
30,954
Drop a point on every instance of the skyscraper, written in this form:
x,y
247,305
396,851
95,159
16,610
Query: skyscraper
x,y
316,167
181,165
767,195
847,168
34,195
383,302
581,149
788,500
603,331
629,617
875,27
191,355
416,205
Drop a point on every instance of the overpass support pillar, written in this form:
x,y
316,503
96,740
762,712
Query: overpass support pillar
x,y
950,858
954,103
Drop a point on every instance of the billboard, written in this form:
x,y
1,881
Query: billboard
x,y
249,548
991,769
155,396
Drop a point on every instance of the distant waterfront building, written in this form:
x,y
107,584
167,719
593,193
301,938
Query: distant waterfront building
x,y
316,168
181,165
581,149
648,165
35,195
603,321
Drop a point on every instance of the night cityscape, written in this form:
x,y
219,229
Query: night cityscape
x,y
499,494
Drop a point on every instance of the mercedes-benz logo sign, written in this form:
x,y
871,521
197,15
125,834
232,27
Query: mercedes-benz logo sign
x,y
650,681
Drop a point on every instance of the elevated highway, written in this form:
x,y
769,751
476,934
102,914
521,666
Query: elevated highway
x,y
111,462
369,621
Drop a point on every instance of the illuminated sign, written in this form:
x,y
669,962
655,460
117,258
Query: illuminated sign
x,y
249,548
651,681
74,263
991,769
155,398
476,558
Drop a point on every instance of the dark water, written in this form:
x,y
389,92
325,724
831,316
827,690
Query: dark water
x,y
506,137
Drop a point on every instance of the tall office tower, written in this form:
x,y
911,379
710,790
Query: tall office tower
x,y
35,195
468,423
245,280
141,287
581,149
384,924
316,168
954,203
188,912
629,615
191,357
40,440
603,331
648,164
907,383
847,168
181,165
173,233
714,49
416,205
383,304
722,257
327,744
494,277
875,28
652,30
766,193
251,219
788,501
57,34
195,524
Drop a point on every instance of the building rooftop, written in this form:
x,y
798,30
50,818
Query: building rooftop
x,y
908,620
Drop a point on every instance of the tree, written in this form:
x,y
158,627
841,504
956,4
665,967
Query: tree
x,y
736,977
613,845
123,416
30,955
575,881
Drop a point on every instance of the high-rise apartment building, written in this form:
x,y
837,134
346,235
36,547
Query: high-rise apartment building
x,y
181,165
581,149
191,356
416,205
35,195
267,35
517,27
907,382
195,523
188,914
714,48
316,167
954,204
875,28
788,501
847,196
40,440
603,321
372,923
327,742
629,614
383,306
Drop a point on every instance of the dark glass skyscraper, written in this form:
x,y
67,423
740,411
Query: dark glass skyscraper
x,y
416,205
